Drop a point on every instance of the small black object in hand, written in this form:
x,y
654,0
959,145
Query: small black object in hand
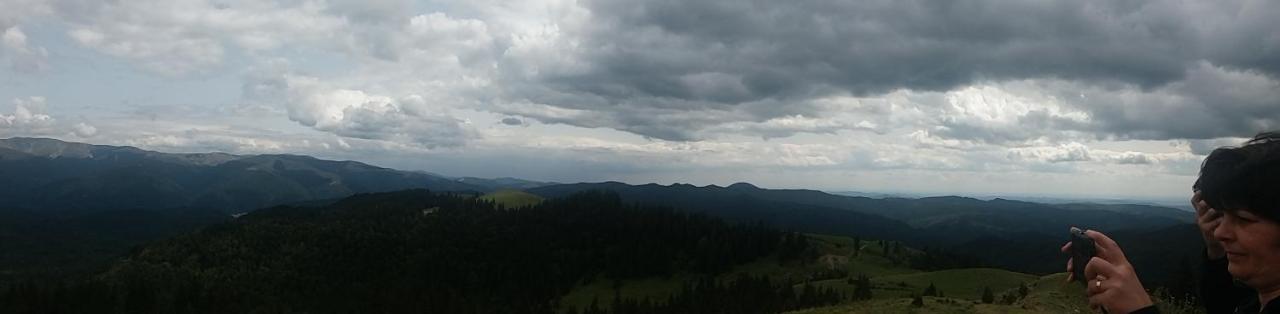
x,y
1082,250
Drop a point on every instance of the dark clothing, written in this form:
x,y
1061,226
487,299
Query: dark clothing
x,y
1147,310
1222,294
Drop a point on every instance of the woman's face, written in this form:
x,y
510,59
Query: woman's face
x,y
1253,248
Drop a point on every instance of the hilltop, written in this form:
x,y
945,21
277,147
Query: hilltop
x,y
38,174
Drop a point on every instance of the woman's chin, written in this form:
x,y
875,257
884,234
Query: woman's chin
x,y
1239,271
1236,270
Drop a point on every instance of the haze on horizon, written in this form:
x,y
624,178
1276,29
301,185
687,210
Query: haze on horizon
x,y
1061,98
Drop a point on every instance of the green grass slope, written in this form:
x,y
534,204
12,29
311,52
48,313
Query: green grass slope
x,y
512,198
893,284
959,283
833,254
1048,294
931,305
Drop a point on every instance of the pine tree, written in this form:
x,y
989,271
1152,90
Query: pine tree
x,y
931,291
862,289
1184,283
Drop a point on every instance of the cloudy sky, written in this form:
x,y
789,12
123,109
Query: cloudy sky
x,y
1065,98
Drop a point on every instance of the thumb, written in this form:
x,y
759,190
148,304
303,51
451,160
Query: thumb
x,y
1107,248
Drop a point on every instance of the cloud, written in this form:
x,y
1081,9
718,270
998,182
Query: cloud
x,y
1209,102
185,36
1071,152
736,62
29,116
1015,112
84,130
18,11
182,37
1134,158
23,57
875,47
1204,147
356,114
512,121
697,71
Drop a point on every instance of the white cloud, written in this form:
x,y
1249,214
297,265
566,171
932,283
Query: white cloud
x,y
185,36
29,117
1134,158
84,130
1070,152
23,57
998,113
354,113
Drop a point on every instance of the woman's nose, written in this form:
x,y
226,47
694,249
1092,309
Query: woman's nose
x,y
1223,232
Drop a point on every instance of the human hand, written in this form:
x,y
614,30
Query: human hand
x,y
1208,219
1113,284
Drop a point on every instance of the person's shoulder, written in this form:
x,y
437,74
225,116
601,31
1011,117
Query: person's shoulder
x,y
1273,307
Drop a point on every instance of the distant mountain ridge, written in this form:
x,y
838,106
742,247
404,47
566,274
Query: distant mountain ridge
x,y
25,148
742,202
1017,235
53,175
970,217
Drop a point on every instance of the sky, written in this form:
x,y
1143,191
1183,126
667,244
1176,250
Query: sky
x,y
1086,98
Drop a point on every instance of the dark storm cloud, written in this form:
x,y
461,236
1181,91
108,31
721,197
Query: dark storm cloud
x,y
719,55
1208,103
512,121
869,47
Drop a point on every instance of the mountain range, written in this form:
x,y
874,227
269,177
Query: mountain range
x,y
52,177
55,176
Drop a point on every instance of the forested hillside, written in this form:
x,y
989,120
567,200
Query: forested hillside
x,y
1014,235
415,251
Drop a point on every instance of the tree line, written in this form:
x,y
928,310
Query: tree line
x,y
417,251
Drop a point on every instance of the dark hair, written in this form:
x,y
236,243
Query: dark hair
x,y
1245,177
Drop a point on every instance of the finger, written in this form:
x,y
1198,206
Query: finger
x,y
1071,275
1066,248
1095,301
1213,224
1107,248
1098,285
1213,213
1099,300
1098,266
1201,204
